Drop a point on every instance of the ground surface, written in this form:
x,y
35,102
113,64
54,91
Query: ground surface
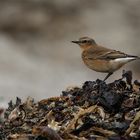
x,y
95,111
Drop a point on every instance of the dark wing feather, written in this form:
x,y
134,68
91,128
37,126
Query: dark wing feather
x,y
114,55
110,55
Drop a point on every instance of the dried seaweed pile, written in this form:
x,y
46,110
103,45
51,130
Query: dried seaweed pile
x,y
97,111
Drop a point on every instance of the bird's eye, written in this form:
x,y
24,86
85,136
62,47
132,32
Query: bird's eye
x,y
84,41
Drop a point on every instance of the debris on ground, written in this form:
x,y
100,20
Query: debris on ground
x,y
97,111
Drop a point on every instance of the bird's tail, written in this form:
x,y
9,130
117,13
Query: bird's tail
x,y
135,57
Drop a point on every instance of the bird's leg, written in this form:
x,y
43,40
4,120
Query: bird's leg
x,y
108,75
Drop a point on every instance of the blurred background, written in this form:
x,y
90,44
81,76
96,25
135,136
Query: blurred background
x,y
37,57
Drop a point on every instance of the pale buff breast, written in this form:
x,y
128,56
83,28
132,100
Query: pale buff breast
x,y
98,65
106,65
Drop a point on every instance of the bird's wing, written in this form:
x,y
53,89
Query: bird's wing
x,y
110,55
114,55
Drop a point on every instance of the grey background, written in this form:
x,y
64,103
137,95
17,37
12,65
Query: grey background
x,y
37,57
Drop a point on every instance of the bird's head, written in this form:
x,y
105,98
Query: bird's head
x,y
85,42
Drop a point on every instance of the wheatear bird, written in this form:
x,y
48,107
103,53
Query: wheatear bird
x,y
102,59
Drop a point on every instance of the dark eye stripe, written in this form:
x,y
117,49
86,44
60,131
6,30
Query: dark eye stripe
x,y
84,41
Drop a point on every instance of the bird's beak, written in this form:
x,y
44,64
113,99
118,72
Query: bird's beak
x,y
77,42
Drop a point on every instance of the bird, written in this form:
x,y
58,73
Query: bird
x,y
102,59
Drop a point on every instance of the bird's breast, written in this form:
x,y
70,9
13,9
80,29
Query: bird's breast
x,y
97,65
103,65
